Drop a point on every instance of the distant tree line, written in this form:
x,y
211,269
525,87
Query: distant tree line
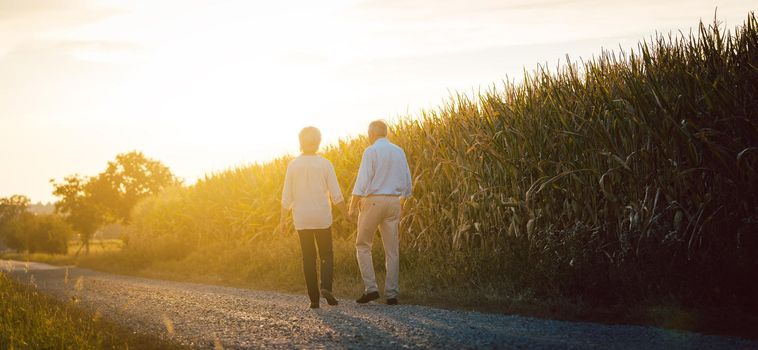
x,y
85,204
24,231
42,208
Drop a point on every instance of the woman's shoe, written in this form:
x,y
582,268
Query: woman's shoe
x,y
330,299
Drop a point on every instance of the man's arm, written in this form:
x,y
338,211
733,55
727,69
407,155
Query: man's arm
x,y
407,179
408,186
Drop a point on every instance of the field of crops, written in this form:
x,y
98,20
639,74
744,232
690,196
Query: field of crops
x,y
628,177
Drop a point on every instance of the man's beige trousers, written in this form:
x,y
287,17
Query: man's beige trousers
x,y
383,213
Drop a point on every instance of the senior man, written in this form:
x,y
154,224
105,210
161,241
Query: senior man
x,y
382,185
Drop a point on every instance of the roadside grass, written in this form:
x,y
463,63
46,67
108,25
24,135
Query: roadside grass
x,y
97,248
239,266
30,320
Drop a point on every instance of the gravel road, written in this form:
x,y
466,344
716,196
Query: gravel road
x,y
211,316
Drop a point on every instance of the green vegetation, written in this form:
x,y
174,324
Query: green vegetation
x,y
23,231
87,203
98,247
32,321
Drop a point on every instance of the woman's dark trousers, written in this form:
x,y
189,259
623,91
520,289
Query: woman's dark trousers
x,y
309,239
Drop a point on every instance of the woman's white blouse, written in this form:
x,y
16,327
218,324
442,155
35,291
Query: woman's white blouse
x,y
308,186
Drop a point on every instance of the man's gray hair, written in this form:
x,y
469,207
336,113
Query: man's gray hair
x,y
378,128
310,139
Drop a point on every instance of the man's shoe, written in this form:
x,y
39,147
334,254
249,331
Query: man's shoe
x,y
392,301
330,299
365,298
314,305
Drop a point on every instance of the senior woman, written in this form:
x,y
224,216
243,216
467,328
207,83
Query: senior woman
x,y
309,185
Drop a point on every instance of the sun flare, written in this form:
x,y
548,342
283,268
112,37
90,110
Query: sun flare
x,y
206,85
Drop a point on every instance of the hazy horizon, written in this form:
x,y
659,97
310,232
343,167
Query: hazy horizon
x,y
204,86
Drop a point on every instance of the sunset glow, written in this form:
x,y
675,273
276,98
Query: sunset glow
x,y
203,85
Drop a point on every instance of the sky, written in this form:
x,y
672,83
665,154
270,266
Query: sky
x,y
205,85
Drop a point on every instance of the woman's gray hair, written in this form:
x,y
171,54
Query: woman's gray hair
x,y
310,139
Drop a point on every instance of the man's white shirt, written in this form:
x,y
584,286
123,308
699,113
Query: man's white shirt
x,y
384,171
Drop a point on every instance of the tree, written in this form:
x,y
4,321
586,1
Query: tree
x,y
20,229
11,209
48,233
12,206
79,207
90,202
131,178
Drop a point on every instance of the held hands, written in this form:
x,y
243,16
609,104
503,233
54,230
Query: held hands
x,y
353,209
351,217
283,228
347,212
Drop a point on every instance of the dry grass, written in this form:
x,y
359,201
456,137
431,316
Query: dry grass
x,y
29,320
98,247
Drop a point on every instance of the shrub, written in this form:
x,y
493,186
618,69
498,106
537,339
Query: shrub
x,y
37,233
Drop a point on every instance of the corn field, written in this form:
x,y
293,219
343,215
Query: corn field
x,y
630,176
